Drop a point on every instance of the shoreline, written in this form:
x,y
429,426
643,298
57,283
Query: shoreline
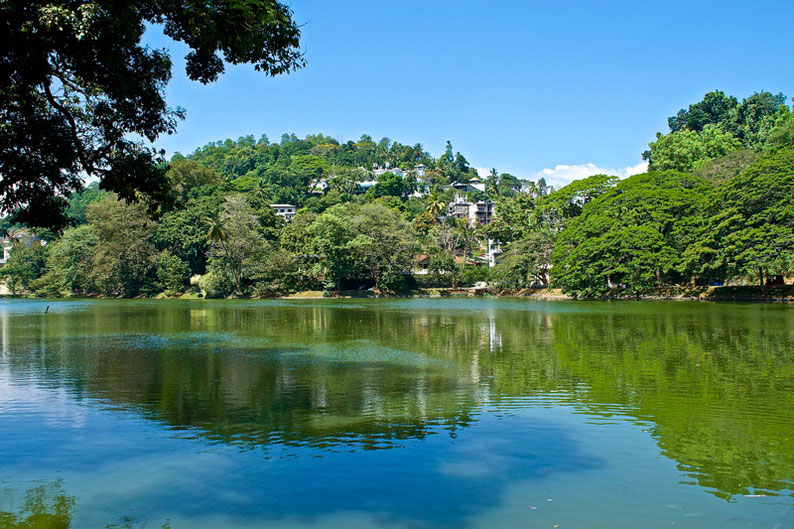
x,y
766,294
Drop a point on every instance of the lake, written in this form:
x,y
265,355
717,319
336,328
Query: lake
x,y
396,413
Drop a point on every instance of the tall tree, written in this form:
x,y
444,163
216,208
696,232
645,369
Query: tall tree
x,y
25,264
124,254
236,235
434,205
363,241
187,175
526,262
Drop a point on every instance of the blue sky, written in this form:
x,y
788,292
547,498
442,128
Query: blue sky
x,y
555,88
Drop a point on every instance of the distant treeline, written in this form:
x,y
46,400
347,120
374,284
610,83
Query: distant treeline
x,y
714,207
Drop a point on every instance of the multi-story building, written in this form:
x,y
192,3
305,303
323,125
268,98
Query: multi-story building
x,y
285,211
481,211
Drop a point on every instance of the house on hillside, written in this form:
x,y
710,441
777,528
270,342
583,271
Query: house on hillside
x,y
458,208
378,170
16,236
365,186
421,265
285,211
480,212
6,251
318,187
469,186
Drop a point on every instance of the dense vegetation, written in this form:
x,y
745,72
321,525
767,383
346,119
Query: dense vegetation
x,y
714,208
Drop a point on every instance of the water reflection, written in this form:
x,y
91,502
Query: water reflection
x,y
44,506
48,506
715,382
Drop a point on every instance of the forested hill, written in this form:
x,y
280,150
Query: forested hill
x,y
251,217
283,171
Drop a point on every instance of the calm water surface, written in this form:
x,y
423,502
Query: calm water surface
x,y
418,413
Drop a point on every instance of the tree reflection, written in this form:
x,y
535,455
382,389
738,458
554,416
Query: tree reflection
x,y
42,507
715,381
48,506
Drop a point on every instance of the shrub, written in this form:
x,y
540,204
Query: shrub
x,y
472,275
433,280
216,284
171,272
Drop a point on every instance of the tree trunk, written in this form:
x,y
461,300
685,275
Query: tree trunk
x,y
761,275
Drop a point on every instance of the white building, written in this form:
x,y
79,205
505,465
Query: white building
x,y
377,170
20,236
285,211
6,251
469,187
318,187
481,212
365,186
494,249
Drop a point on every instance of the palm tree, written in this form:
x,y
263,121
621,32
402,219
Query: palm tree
x,y
435,206
492,183
218,234
260,189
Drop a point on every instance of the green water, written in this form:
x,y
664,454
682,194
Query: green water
x,y
480,413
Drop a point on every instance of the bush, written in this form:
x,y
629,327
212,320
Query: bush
x,y
279,272
472,275
26,264
394,281
171,272
329,289
48,286
216,284
433,280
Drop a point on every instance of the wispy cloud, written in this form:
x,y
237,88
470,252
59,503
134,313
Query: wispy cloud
x,y
563,174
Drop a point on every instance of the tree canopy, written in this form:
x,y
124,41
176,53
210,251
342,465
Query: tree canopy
x,y
81,96
717,125
632,235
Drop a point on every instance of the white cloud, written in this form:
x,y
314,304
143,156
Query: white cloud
x,y
565,174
